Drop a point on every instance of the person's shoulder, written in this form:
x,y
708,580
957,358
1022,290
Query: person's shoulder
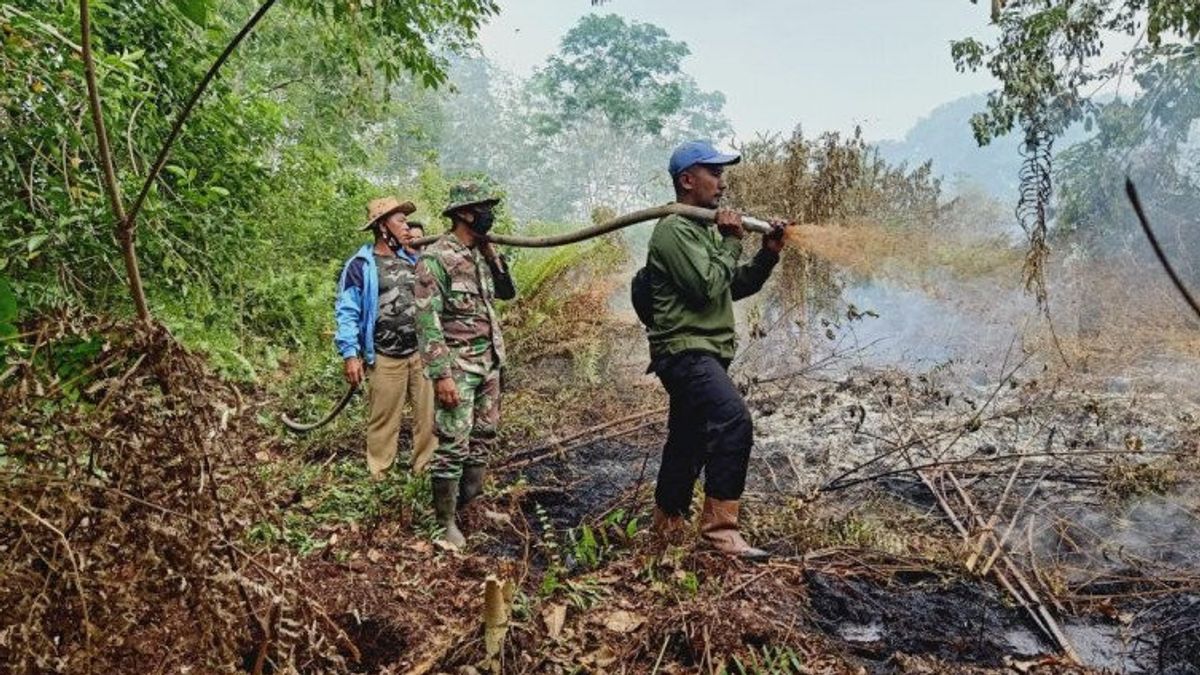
x,y
673,220
354,271
440,258
671,228
440,251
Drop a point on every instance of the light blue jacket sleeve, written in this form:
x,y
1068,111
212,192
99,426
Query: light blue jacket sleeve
x,y
348,310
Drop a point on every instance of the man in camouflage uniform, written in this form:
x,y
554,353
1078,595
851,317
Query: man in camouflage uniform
x,y
377,331
458,279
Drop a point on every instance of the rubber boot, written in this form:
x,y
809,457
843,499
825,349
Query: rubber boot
x,y
445,495
668,530
471,485
719,529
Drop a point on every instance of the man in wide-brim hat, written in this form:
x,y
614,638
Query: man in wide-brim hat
x,y
458,280
377,332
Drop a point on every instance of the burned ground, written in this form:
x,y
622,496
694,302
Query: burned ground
x,y
1092,488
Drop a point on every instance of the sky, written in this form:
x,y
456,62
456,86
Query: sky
x,y
822,64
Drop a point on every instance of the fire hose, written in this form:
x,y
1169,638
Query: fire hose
x,y
583,234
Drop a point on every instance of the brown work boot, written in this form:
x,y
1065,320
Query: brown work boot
x,y
668,530
719,529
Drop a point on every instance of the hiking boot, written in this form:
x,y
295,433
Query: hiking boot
x,y
719,529
471,485
668,529
445,495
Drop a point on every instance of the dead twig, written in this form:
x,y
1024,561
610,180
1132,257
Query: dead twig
x,y
513,466
990,527
558,443
76,574
1012,523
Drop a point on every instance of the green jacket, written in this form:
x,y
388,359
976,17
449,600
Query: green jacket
x,y
695,279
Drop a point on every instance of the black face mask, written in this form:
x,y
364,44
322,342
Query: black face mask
x,y
484,219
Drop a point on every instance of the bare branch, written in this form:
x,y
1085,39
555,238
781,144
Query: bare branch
x,y
124,231
161,160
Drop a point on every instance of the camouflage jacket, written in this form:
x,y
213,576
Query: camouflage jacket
x,y
457,326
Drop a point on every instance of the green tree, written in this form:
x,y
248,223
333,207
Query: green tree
x,y
274,158
566,145
1049,60
629,73
1152,136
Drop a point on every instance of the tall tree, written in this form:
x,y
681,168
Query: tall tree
x,y
1050,61
628,73
592,128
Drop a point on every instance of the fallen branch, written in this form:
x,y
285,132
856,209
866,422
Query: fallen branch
x,y
512,466
559,442
1010,569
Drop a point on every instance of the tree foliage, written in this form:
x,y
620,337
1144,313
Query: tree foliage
x,y
1050,60
1153,137
1050,51
628,74
566,145
265,171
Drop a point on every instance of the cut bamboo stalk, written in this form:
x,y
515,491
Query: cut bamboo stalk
x,y
1012,523
497,600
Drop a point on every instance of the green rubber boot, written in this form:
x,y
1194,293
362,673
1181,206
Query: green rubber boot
x,y
471,485
445,496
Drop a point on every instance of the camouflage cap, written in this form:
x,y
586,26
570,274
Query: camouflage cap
x,y
470,193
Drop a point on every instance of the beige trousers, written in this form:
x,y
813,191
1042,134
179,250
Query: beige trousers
x,y
392,381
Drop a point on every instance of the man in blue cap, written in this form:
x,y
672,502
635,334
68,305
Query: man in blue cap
x,y
694,279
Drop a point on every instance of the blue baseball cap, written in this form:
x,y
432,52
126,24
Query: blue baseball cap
x,y
698,152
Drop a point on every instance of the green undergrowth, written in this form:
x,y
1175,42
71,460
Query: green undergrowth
x,y
320,500
766,660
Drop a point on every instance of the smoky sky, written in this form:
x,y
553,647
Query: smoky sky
x,y
880,64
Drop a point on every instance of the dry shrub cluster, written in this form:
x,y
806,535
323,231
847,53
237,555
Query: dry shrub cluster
x,y
127,478
830,178
839,183
1120,311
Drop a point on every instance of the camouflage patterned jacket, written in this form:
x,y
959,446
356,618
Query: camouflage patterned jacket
x,y
457,324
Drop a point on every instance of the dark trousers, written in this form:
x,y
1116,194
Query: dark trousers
x,y
708,429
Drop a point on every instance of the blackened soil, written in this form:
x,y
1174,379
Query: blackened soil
x,y
588,481
1177,625
955,620
380,641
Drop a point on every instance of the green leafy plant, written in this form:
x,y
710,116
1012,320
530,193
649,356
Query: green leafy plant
x,y
341,494
766,660
8,319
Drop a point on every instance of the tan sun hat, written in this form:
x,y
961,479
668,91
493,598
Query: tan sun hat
x,y
386,206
